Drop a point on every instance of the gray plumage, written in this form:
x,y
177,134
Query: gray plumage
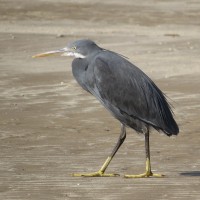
x,y
127,92
123,89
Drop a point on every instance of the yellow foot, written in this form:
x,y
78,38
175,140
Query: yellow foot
x,y
96,174
145,175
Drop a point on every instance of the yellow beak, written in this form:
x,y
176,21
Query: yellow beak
x,y
49,53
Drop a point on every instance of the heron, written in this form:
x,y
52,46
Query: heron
x,y
125,91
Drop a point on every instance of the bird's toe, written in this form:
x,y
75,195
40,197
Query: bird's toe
x,y
95,174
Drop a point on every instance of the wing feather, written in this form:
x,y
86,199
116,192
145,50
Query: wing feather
x,y
130,94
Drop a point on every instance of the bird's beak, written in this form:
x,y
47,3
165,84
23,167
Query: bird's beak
x,y
63,52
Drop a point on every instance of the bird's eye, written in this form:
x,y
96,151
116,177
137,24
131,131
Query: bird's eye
x,y
74,47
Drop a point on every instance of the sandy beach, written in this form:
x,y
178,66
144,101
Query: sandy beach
x,y
51,128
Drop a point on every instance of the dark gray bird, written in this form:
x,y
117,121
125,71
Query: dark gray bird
x,y
123,89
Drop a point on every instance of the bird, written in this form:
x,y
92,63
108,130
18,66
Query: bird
x,y
125,91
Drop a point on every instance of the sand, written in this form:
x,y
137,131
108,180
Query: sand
x,y
51,128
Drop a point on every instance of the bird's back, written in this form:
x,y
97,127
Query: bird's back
x,y
130,95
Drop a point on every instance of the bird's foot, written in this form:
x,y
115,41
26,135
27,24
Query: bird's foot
x,y
145,175
96,174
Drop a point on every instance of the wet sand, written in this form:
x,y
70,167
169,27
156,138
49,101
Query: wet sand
x,y
51,128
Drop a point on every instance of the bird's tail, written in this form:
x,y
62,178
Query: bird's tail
x,y
164,120
169,125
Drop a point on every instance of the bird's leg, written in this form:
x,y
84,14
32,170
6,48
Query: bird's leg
x,y
101,172
148,172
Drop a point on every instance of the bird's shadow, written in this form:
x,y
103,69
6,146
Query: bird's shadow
x,y
190,173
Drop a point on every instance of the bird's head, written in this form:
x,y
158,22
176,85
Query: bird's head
x,y
77,49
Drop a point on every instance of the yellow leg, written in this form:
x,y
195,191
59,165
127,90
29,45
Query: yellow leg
x,y
148,172
99,173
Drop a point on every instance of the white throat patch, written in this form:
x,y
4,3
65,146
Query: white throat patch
x,y
74,54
